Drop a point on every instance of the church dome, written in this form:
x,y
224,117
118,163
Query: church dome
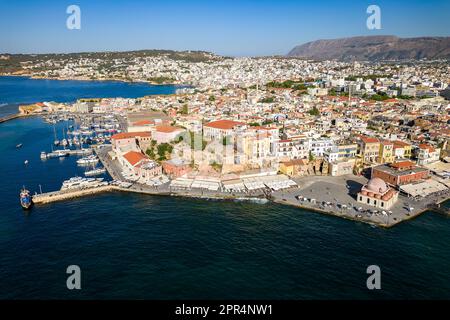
x,y
376,185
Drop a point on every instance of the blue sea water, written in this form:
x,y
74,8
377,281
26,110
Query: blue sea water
x,y
149,247
22,90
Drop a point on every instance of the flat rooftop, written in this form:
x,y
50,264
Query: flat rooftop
x,y
395,172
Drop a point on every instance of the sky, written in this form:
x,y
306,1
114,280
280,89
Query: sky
x,y
233,28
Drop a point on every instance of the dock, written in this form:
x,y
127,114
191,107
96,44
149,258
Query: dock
x,y
11,117
49,197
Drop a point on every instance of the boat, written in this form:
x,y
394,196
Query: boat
x,y
26,162
82,183
25,199
19,146
95,172
61,153
43,155
87,160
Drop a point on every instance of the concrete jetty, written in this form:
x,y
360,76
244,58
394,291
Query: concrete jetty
x,y
11,117
49,197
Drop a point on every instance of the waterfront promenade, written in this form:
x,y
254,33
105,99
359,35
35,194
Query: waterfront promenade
x,y
324,194
337,196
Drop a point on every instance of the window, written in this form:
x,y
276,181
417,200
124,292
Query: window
x,y
382,203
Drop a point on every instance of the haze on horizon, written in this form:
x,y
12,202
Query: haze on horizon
x,y
233,28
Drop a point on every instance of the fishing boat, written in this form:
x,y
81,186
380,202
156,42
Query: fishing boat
x,y
25,199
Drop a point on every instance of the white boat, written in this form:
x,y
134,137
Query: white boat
x,y
95,172
82,183
87,160
43,155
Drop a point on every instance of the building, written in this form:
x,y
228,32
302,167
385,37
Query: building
x,y
296,167
340,152
402,150
386,154
140,165
256,144
400,173
131,141
166,134
377,193
427,154
84,107
217,130
319,147
147,170
341,167
294,148
175,168
369,149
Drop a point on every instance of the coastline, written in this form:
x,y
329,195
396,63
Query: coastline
x,y
276,198
30,76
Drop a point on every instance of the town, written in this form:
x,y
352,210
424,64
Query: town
x,y
364,141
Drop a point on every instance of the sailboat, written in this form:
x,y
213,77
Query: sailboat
x,y
56,142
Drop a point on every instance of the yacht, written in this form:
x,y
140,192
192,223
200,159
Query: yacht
x,y
95,172
87,160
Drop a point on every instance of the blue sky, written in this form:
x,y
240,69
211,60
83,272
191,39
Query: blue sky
x,y
236,28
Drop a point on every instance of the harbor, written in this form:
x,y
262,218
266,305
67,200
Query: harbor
x,y
304,193
152,230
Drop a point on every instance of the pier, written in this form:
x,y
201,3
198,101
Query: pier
x,y
43,198
11,117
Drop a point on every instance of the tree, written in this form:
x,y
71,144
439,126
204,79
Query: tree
x,y
314,111
267,100
164,148
212,98
185,109
151,153
226,140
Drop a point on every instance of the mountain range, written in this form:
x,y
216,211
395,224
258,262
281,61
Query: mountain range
x,y
375,48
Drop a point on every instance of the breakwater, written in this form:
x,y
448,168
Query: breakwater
x,y
10,117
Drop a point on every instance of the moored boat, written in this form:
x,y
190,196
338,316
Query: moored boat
x,y
25,199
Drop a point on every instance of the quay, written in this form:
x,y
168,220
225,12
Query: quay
x,y
332,196
43,198
438,208
10,117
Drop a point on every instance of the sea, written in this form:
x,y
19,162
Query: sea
x,y
131,246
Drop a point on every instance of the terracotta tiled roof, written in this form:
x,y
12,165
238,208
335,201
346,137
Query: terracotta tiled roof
x,y
426,146
403,164
224,124
144,123
128,135
400,144
369,140
134,157
167,129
